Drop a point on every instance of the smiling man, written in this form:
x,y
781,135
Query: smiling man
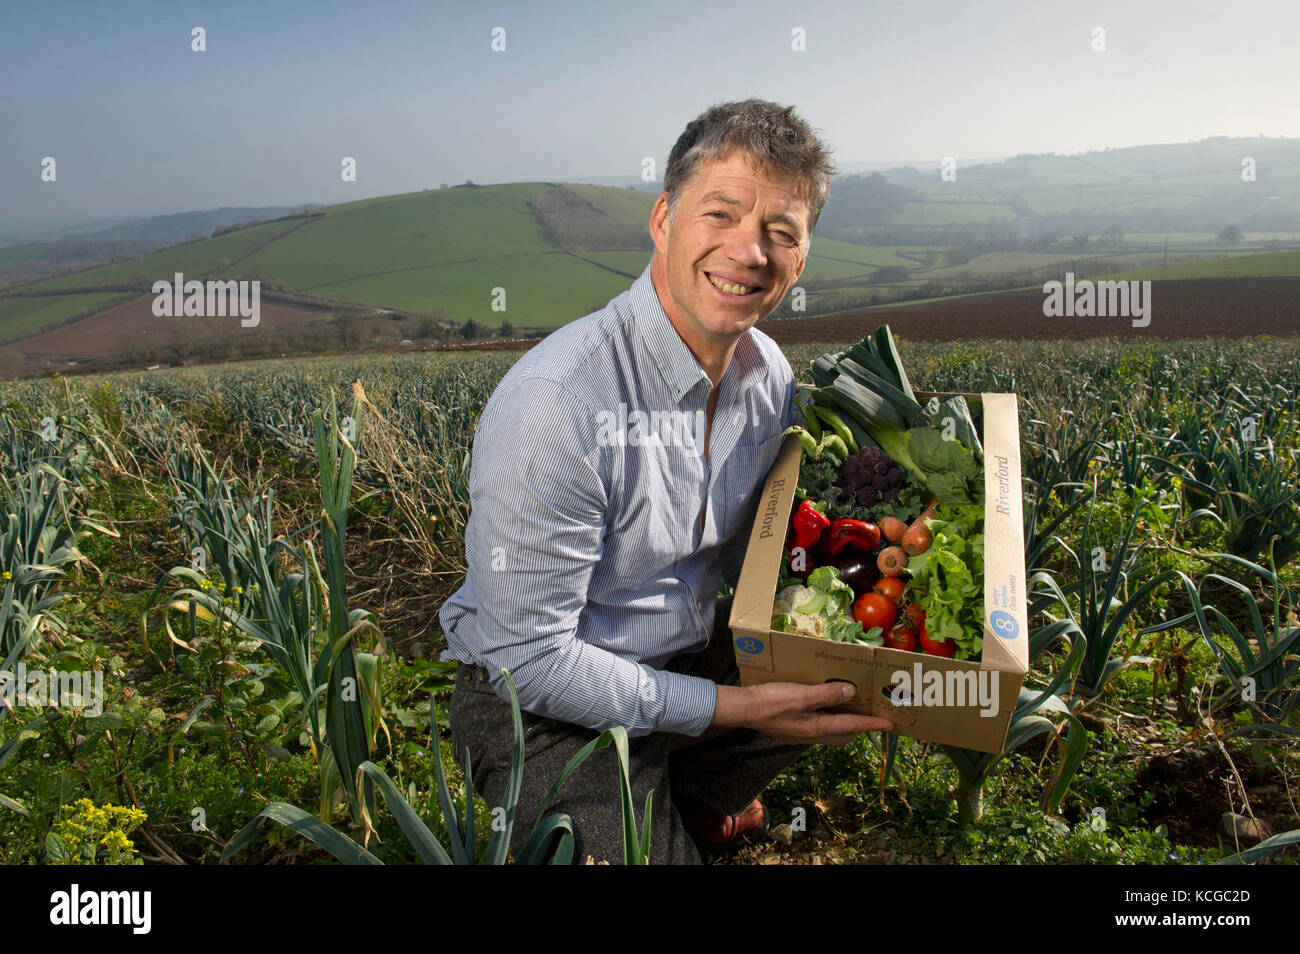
x,y
595,552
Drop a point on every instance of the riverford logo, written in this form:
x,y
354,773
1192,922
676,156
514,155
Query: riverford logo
x,y
74,906
215,299
1087,299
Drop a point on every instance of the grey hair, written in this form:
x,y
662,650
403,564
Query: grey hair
x,y
771,135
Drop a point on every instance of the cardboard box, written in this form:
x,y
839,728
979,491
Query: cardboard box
x,y
953,702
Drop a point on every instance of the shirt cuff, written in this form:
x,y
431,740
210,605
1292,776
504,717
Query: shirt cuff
x,y
689,703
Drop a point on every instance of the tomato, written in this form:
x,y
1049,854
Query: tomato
x,y
901,637
938,647
873,609
915,617
890,586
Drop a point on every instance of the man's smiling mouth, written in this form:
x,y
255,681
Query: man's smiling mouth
x,y
733,289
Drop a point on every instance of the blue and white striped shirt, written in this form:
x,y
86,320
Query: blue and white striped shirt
x,y
589,566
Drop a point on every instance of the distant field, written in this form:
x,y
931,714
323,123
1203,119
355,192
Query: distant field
x,y
1193,238
1002,263
874,256
1263,265
18,254
539,289
627,205
1220,308
951,213
22,317
194,259
428,229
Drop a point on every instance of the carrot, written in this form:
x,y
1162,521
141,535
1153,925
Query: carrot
x,y
918,537
892,529
892,561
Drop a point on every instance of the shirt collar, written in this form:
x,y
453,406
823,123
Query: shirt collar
x,y
678,367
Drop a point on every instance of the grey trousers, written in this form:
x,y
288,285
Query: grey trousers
x,y
722,769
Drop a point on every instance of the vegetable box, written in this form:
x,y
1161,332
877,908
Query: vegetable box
x,y
965,703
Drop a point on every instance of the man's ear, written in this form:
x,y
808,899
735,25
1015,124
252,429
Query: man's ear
x,y
659,223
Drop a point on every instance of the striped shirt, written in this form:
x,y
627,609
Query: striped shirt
x,y
598,535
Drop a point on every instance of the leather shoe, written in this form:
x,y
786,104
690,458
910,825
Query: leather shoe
x,y
716,829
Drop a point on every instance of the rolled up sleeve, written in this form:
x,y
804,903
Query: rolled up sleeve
x,y
539,502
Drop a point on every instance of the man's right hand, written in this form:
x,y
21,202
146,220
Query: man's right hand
x,y
790,712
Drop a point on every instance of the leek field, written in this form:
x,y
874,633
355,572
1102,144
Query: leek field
x,y
253,556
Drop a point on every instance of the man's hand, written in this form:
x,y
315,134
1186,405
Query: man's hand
x,y
790,712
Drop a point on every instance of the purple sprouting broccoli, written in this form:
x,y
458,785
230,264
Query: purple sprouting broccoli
x,y
871,476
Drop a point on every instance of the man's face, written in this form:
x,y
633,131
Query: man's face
x,y
734,225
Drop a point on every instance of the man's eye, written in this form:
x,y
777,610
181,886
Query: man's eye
x,y
723,214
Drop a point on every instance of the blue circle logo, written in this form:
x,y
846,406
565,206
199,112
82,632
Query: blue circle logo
x,y
749,645
1004,624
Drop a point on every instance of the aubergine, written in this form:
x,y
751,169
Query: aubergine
x,y
859,570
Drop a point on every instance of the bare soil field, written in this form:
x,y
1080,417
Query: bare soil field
x,y
1188,308
131,332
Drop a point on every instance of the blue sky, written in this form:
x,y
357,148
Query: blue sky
x,y
140,124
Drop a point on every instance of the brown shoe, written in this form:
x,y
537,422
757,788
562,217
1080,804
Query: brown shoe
x,y
716,829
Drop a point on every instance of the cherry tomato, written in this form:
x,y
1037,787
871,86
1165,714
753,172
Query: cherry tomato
x,y
873,609
890,586
914,617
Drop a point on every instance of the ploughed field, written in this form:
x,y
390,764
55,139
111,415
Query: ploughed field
x,y
1187,308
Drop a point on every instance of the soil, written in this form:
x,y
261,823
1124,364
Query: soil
x,y
1191,308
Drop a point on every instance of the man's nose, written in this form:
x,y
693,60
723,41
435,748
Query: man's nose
x,y
746,245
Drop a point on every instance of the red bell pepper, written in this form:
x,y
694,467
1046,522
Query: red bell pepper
x,y
808,523
855,534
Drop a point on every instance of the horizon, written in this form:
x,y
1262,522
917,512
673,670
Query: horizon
x,y
614,181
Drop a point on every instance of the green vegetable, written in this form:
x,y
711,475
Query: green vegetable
x,y
868,387
948,578
952,473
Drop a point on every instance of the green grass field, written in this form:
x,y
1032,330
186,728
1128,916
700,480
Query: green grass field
x,y
627,205
194,259
427,229
1273,264
541,289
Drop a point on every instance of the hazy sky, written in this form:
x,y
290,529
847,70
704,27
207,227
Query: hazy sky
x,y
140,124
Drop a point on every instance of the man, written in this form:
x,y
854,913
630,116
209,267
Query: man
x,y
599,534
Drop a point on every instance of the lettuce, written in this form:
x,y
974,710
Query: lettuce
x,y
948,578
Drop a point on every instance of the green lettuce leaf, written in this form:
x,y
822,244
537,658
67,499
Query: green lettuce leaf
x,y
951,472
